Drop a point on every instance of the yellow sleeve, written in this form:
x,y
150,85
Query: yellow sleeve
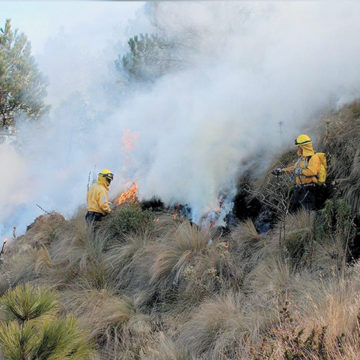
x,y
313,167
289,169
104,201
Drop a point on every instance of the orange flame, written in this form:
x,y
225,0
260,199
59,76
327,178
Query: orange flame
x,y
129,139
128,196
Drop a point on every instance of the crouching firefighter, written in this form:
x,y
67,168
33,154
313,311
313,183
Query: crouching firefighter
x,y
98,198
309,172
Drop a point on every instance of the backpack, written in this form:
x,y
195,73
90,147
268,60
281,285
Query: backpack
x,y
323,168
321,176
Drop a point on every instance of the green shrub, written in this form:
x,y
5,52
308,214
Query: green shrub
x,y
334,230
296,237
128,218
335,219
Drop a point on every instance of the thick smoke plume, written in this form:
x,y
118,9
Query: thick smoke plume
x,y
244,68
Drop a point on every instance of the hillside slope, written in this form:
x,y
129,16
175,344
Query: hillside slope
x,y
148,286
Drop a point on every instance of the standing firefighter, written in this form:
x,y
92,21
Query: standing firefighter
x,y
98,198
309,172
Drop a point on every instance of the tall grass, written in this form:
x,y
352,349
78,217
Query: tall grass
x,y
220,326
114,322
166,349
144,286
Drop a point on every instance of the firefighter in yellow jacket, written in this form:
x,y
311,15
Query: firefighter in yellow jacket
x,y
309,172
97,197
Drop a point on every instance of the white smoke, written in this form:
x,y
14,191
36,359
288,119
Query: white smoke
x,y
247,67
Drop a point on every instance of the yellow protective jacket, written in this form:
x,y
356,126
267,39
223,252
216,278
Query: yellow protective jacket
x,y
307,167
98,198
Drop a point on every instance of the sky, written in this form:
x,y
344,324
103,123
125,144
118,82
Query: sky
x,y
41,20
72,40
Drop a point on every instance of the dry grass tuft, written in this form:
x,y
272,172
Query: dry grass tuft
x,y
123,260
164,224
78,255
173,254
18,268
219,326
166,349
334,304
113,322
42,260
271,276
247,245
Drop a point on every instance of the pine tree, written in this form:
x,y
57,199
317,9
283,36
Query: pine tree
x,y
149,57
32,328
22,87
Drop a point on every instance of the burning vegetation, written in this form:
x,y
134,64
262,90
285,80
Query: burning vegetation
x,y
129,196
221,216
151,284
242,279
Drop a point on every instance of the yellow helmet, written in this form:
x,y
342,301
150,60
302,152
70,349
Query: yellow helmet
x,y
106,173
302,139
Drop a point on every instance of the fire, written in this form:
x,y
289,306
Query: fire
x,y
210,219
181,212
129,139
128,196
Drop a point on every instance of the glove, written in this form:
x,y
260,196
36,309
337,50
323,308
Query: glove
x,y
276,171
298,171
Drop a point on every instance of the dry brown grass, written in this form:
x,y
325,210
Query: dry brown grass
x,y
42,260
27,256
168,292
220,325
334,304
170,256
17,268
165,349
78,254
123,260
320,321
210,272
247,246
350,185
113,322
339,137
174,271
